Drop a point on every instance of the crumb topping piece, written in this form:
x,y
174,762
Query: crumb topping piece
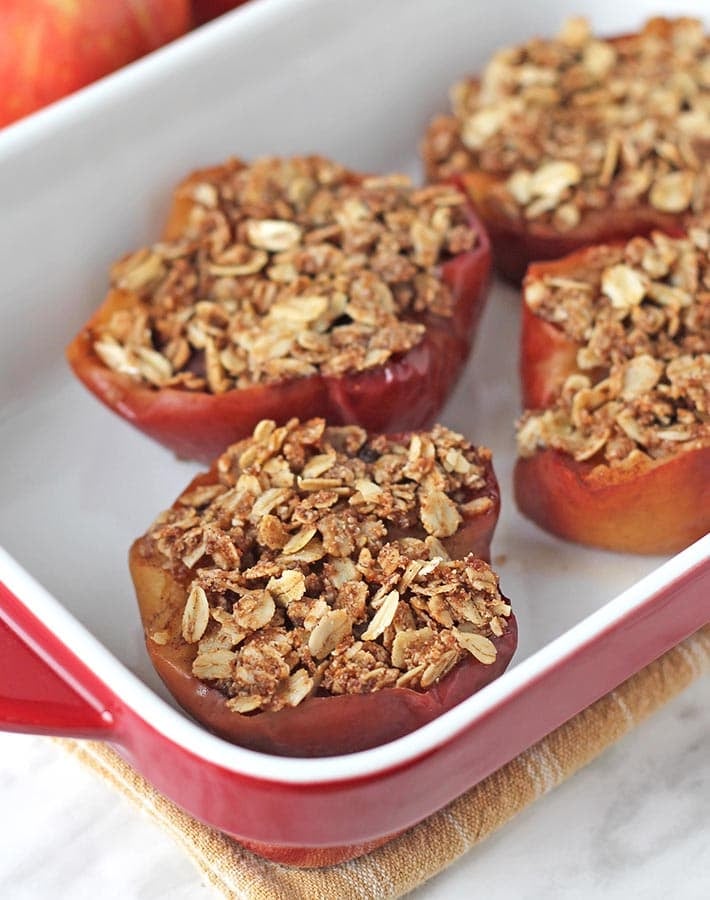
x,y
576,123
641,315
285,268
298,580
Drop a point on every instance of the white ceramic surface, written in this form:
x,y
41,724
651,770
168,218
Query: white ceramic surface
x,y
90,178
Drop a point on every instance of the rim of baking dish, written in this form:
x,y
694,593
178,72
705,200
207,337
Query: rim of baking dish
x,y
174,725
177,727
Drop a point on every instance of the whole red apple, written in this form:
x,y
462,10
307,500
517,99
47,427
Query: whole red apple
x,y
49,48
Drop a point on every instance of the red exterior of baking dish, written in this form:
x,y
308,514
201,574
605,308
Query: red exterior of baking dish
x,y
46,689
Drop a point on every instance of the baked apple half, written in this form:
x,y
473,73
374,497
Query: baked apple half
x,y
614,446
289,287
321,591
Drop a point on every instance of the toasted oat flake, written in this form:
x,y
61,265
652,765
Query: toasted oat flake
x,y
329,632
244,704
439,514
254,610
272,234
574,124
317,596
436,670
196,615
283,269
383,617
477,645
116,356
214,664
553,178
640,375
406,640
624,286
288,587
301,539
300,684
673,192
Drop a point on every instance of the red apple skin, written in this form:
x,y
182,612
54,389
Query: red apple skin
x,y
547,355
50,48
659,508
547,358
205,10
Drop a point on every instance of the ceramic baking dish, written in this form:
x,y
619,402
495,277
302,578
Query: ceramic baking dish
x,y
89,179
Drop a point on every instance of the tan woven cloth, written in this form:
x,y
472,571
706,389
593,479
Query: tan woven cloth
x,y
426,849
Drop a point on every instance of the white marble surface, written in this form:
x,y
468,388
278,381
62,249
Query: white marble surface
x,y
636,823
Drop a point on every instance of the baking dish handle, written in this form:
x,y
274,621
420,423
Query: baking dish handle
x,y
44,687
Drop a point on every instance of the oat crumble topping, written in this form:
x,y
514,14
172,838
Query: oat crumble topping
x,y
285,268
641,315
576,123
298,579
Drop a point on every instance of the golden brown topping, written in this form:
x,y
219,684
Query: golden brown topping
x,y
326,596
285,268
641,315
576,124
650,296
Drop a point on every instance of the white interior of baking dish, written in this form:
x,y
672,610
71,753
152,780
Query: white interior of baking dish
x,y
90,179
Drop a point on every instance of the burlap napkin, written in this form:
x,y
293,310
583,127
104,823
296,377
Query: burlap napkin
x,y
426,849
